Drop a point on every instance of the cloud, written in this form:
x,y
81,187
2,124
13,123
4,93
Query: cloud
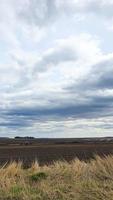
x,y
93,108
98,78
34,102
54,57
97,7
72,49
38,12
42,13
56,67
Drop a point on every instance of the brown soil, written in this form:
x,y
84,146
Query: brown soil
x,y
47,153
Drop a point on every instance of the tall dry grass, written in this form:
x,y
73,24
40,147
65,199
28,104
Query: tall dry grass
x,y
77,180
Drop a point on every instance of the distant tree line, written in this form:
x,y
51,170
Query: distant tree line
x,y
26,137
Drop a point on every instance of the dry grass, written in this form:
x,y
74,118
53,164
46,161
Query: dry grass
x,y
77,180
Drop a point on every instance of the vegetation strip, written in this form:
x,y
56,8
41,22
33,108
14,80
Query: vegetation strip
x,y
77,180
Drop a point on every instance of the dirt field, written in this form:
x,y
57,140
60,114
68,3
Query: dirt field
x,y
47,153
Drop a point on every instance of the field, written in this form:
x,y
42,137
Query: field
x,y
47,151
77,180
56,169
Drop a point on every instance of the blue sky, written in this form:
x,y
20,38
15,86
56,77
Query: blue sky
x,y
56,68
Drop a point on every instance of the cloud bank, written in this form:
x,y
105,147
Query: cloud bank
x,y
56,66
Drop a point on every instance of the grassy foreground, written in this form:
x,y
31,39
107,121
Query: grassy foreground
x,y
61,181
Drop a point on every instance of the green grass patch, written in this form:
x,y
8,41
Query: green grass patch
x,y
16,190
38,176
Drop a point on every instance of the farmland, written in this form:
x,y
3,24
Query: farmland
x,y
56,169
46,151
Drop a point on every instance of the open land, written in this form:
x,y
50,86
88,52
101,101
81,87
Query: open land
x,y
75,180
43,173
48,150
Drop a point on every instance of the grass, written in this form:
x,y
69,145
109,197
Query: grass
x,y
38,176
77,180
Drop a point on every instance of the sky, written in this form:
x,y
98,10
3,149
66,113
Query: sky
x,y
56,68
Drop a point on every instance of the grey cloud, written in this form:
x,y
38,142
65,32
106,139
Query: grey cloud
x,y
55,57
13,124
95,107
105,82
43,12
104,8
38,12
103,73
99,78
